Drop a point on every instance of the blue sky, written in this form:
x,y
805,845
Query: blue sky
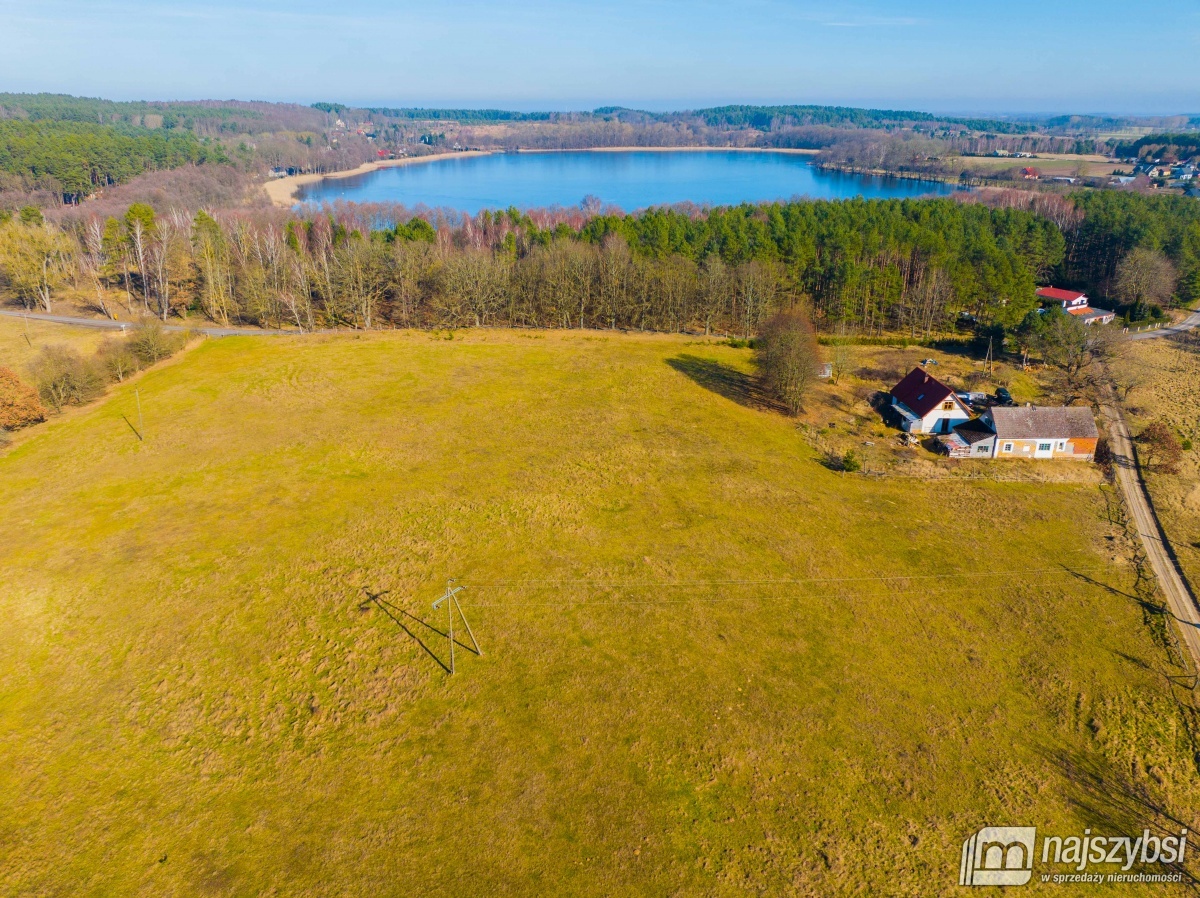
x,y
1000,56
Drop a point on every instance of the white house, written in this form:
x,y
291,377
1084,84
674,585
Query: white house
x,y
926,405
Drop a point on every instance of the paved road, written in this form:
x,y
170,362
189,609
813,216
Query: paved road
x,y
1192,320
1180,600
105,324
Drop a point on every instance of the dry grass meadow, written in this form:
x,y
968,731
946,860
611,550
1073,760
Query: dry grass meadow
x,y
711,665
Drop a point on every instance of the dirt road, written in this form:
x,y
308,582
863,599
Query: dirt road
x,y
1180,601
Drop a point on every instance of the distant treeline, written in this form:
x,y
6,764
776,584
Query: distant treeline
x,y
762,118
466,116
1177,146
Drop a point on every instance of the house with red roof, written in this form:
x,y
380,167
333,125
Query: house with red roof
x,y
1066,299
1074,303
926,405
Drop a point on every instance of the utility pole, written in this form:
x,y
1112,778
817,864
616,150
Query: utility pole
x,y
138,396
450,600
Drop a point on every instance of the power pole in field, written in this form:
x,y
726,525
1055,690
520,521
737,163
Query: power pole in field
x,y
450,600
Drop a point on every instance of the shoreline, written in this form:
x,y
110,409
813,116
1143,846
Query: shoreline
x,y
787,151
282,191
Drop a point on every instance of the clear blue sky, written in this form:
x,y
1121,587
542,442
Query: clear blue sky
x,y
1004,55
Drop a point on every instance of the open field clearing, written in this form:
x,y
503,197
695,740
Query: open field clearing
x,y
1049,164
16,352
694,680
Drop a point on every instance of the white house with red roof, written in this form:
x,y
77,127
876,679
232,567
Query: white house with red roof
x,y
926,405
1074,303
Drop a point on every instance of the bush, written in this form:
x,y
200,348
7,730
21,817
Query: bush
x,y
19,404
1186,446
151,343
117,359
850,462
64,378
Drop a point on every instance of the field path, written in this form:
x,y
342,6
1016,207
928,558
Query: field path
x,y
1179,596
106,324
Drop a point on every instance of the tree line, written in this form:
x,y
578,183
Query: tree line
x,y
911,267
865,267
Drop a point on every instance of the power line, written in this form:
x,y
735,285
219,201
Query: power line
x,y
489,584
564,600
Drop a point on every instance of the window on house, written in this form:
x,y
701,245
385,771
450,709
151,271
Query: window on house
x,y
981,449
1062,445
1045,447
948,406
1008,447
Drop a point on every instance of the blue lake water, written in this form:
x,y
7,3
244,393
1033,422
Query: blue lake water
x,y
631,180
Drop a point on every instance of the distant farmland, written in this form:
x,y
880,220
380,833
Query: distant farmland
x,y
712,666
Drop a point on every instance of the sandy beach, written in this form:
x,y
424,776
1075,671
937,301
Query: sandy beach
x,y
282,191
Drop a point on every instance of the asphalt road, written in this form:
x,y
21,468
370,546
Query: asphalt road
x,y
105,324
1192,320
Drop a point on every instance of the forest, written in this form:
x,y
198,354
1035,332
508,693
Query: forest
x,y
916,268
74,158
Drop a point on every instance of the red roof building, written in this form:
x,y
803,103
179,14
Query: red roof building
x,y
1068,299
926,405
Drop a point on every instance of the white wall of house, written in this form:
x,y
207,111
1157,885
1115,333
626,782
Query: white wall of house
x,y
940,420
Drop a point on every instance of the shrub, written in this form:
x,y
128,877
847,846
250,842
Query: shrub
x,y
1186,445
151,343
850,462
117,359
64,378
19,404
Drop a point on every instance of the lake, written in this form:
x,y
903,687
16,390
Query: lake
x,y
631,180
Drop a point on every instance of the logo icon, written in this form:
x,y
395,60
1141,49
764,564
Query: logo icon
x,y
998,856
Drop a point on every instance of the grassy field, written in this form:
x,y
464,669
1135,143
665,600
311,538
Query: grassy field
x,y
694,680
16,351
1048,164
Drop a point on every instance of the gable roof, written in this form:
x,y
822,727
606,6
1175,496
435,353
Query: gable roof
x,y
1061,295
921,392
1041,423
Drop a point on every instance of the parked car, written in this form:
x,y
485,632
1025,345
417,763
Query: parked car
x,y
1003,397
